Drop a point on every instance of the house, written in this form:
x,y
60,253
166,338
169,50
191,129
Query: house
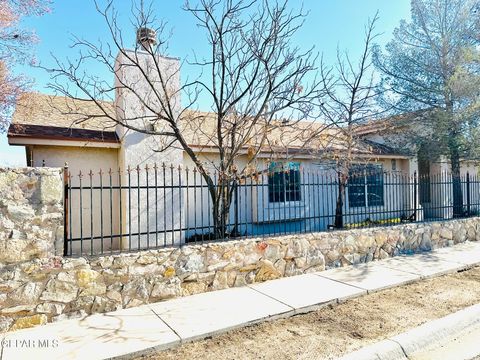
x,y
121,196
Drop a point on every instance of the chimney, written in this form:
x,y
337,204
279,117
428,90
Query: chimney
x,y
146,38
137,76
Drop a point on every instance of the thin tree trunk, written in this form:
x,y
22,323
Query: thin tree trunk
x,y
339,204
221,201
456,183
454,149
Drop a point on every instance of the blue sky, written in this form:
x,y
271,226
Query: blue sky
x,y
330,24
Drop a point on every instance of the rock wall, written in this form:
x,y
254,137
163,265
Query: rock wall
x,y
31,214
35,292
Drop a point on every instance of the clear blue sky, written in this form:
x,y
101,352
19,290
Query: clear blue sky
x,y
330,23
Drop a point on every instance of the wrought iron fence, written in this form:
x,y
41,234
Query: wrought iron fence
x,y
161,206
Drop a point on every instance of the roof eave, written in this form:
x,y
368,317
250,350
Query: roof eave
x,y
17,140
300,153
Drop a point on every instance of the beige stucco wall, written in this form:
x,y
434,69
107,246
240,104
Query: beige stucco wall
x,y
78,158
194,210
140,149
441,192
317,200
85,159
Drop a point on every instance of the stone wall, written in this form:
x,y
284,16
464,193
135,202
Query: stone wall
x,y
31,214
41,290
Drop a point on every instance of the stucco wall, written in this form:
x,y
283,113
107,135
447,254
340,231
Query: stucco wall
x,y
142,149
441,192
34,292
86,159
317,201
78,158
31,214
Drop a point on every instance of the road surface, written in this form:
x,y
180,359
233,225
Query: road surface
x,y
465,346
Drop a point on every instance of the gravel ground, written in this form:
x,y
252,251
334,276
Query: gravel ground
x,y
339,329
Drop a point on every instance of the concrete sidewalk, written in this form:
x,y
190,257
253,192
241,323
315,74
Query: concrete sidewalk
x,y
165,324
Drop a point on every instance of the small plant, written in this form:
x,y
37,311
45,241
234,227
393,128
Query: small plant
x,y
198,238
368,222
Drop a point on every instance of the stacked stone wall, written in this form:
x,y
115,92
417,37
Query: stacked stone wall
x,y
31,214
36,286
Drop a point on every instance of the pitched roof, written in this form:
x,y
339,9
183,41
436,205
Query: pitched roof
x,y
41,116
61,133
56,117
59,111
200,130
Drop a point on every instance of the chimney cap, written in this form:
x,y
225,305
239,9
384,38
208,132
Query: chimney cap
x,y
146,37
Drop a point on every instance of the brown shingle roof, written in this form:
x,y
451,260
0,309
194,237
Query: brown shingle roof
x,y
59,111
61,133
56,117
40,116
200,130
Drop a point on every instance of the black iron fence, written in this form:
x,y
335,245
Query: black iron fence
x,y
161,206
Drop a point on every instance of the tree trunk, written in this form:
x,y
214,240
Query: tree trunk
x,y
454,149
340,201
221,202
456,183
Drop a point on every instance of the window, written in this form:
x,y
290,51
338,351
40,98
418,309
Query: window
x,y
284,182
365,186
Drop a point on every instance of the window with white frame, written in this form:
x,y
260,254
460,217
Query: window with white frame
x,y
365,185
284,182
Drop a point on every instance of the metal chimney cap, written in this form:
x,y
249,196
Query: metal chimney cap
x,y
146,37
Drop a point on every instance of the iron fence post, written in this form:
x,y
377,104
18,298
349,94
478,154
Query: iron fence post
x,y
65,209
468,193
415,196
235,204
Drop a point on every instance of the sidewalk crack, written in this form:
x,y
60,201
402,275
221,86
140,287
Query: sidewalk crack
x,y
157,315
271,297
342,282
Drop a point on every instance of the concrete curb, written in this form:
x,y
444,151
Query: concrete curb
x,y
404,345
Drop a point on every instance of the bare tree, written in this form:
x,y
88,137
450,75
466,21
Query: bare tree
x,y
349,101
15,47
253,77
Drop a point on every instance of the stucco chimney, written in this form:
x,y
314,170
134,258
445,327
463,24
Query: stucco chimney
x,y
137,78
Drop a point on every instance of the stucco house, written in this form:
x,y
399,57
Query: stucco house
x,y
53,133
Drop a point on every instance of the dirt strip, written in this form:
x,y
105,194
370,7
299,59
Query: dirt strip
x,y
336,330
